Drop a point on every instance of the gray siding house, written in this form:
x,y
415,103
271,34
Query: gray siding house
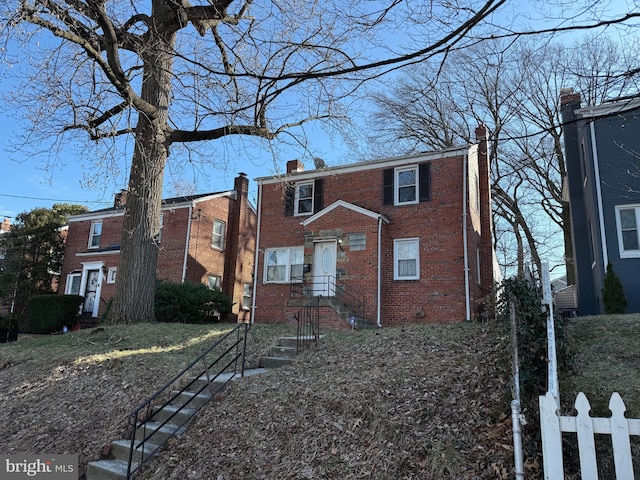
x,y
602,150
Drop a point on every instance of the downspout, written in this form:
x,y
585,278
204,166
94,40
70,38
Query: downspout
x,y
464,238
186,245
596,174
255,255
378,306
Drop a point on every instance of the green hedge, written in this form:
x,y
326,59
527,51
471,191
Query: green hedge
x,y
50,313
189,303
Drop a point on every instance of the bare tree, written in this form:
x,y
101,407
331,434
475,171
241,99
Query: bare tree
x,y
513,87
166,73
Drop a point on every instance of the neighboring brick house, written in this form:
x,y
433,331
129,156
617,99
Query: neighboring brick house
x,y
207,238
602,149
385,242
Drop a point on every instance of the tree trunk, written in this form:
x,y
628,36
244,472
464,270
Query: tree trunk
x,y
568,244
136,280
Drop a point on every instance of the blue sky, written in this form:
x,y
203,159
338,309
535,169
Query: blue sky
x,y
25,184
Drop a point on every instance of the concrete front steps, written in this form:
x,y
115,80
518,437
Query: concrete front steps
x,y
177,420
284,352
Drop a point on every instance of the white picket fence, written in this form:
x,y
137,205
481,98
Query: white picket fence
x,y
585,426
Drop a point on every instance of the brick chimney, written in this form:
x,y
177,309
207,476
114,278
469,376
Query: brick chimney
x,y
295,166
486,221
568,97
120,199
237,228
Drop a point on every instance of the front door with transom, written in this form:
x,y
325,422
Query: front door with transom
x,y
324,268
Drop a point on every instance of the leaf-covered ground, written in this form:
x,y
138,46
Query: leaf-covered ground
x,y
404,403
417,402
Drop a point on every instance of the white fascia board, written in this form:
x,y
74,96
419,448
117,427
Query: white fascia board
x,y
608,109
173,206
350,206
369,165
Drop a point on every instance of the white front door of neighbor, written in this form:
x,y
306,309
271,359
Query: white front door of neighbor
x,y
324,268
91,293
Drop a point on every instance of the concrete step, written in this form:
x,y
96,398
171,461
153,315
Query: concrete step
x,y
282,351
120,451
192,400
275,362
155,432
106,470
175,414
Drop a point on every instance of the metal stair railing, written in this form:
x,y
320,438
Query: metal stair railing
x,y
308,318
207,365
332,287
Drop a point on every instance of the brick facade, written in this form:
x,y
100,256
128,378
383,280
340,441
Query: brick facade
x,y
186,249
350,204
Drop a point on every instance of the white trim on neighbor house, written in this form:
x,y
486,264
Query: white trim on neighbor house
x,y
627,253
596,170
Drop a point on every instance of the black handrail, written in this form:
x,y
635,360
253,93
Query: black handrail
x,y
233,355
330,286
308,318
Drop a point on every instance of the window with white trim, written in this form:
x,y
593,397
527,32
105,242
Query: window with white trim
x,y
406,185
246,296
406,259
283,265
357,241
214,282
217,238
94,235
627,221
73,284
304,199
111,274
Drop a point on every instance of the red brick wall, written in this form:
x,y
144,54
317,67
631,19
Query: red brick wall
x,y
439,294
234,264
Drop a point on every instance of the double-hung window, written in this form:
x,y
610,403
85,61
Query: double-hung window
x,y
246,296
406,185
304,199
627,221
94,235
283,265
217,237
406,259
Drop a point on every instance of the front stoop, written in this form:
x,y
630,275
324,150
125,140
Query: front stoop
x,y
115,468
283,352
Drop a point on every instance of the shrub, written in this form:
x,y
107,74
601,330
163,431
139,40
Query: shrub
x,y
188,302
613,296
50,313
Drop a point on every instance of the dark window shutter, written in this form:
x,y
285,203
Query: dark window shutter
x,y
425,182
289,198
387,186
318,195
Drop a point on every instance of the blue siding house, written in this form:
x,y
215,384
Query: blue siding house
x,y
602,151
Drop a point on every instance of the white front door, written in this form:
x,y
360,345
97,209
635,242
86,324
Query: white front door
x,y
324,268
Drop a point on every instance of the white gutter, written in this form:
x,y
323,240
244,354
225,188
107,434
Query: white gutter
x,y
256,254
186,245
464,237
596,169
378,302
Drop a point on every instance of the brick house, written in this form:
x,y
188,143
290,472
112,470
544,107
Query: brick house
x,y
207,238
601,146
385,242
